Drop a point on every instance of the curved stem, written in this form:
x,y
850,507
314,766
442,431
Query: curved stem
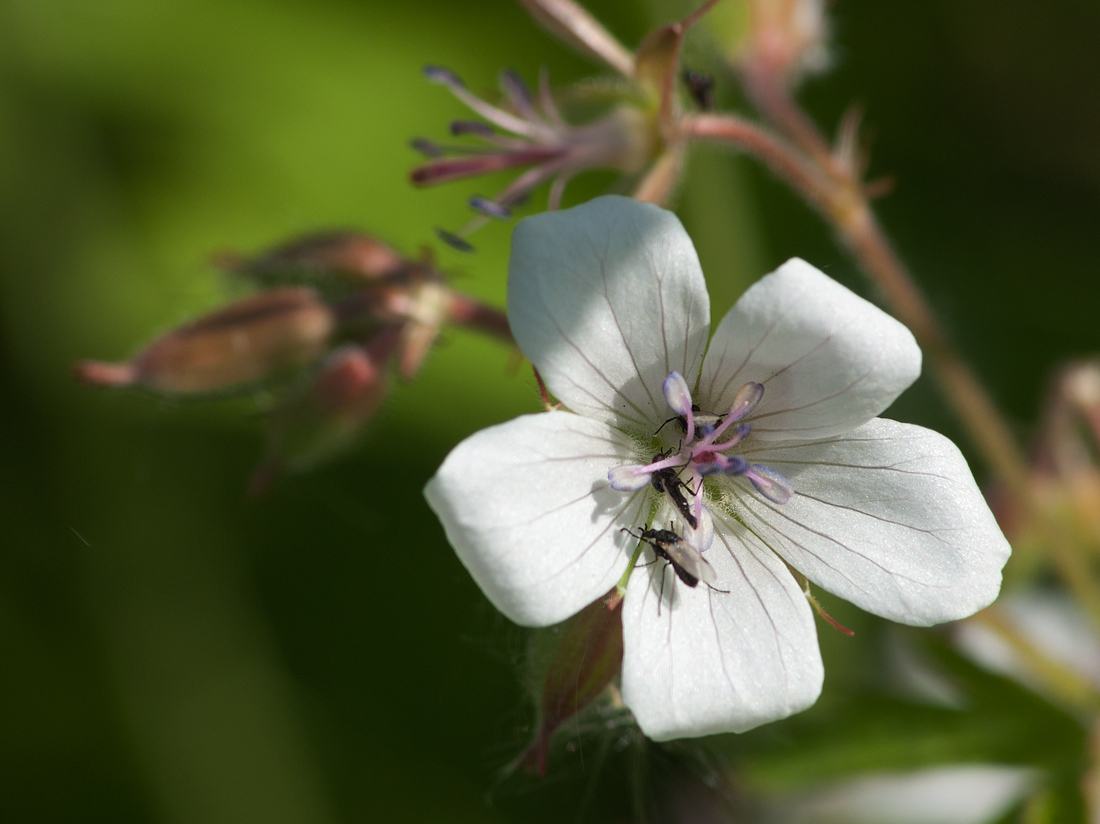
x,y
842,202
769,95
782,158
464,310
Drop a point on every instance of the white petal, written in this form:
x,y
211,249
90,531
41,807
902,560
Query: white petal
x,y
629,477
829,360
957,794
1050,621
713,662
528,508
888,517
606,299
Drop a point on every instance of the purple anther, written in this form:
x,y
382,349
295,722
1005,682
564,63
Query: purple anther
x,y
719,464
770,483
428,148
740,432
453,240
488,208
461,127
437,74
516,90
677,394
456,168
746,399
736,466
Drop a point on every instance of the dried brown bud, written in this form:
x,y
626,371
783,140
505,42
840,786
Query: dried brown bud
x,y
327,410
244,342
319,259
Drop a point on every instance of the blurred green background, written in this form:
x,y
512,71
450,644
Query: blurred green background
x,y
175,652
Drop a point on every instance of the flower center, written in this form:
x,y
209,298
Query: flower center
x,y
706,449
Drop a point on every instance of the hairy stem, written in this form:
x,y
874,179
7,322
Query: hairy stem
x,y
842,203
839,196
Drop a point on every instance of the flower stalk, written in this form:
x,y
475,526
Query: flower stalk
x,y
837,193
845,207
334,312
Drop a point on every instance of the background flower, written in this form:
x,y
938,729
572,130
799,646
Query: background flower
x,y
607,300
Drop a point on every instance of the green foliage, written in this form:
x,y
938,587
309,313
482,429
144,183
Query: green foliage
x,y
175,653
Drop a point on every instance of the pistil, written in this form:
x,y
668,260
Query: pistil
x,y
693,460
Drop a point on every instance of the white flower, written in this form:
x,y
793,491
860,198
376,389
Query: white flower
x,y
609,303
1048,620
955,794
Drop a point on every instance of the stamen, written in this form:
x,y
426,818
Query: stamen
x,y
456,168
678,397
736,466
677,394
557,191
664,462
629,477
516,192
517,125
770,483
745,401
461,127
546,98
445,77
715,463
428,148
489,208
453,240
518,93
740,432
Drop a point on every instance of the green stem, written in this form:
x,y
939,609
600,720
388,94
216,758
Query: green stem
x,y
620,588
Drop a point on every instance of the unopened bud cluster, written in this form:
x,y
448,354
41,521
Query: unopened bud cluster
x,y
332,312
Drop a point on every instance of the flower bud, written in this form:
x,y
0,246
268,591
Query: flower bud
x,y
782,38
320,259
586,654
244,342
324,414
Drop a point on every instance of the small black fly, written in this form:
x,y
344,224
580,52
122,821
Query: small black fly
x,y
700,86
686,561
668,480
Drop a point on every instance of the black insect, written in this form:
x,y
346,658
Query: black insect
x,y
700,86
668,480
704,424
687,561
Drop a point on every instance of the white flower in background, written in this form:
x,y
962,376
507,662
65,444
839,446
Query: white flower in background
x,y
769,445
956,794
1050,622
